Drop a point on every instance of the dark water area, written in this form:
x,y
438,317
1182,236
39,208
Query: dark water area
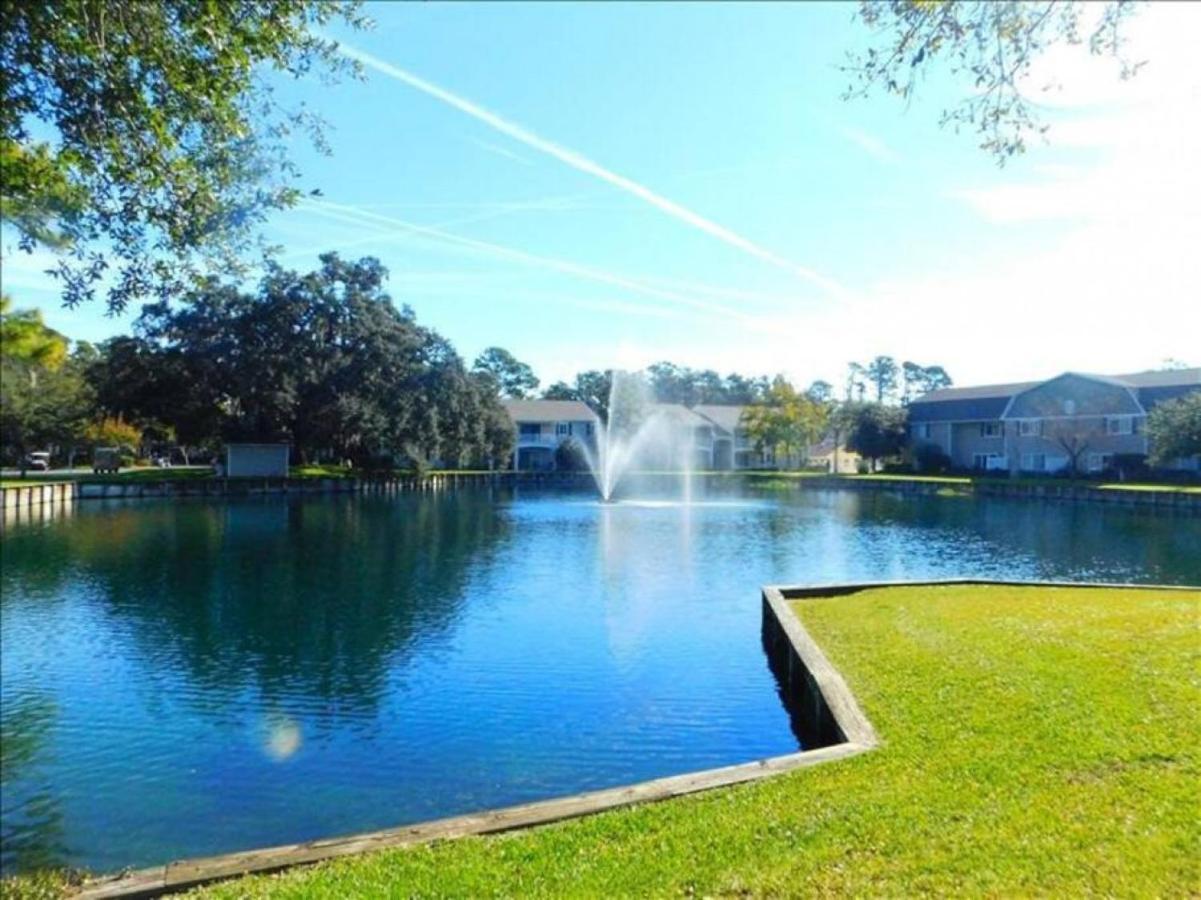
x,y
193,677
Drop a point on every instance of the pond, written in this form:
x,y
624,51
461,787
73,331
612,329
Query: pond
x,y
189,678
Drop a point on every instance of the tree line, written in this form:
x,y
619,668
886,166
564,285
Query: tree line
x,y
322,361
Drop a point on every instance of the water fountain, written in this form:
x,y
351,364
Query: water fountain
x,y
637,432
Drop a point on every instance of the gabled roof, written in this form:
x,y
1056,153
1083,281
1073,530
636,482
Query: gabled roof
x,y
988,401
679,414
1163,378
726,416
549,411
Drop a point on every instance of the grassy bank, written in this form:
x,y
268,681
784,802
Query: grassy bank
x,y
1035,741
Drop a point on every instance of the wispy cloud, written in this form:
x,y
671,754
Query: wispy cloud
x,y
871,145
583,164
500,151
355,216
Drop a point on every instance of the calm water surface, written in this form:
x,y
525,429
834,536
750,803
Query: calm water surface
x,y
188,678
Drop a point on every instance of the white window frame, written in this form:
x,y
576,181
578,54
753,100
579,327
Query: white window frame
x,y
992,429
1119,425
1034,462
562,429
1030,427
1099,462
990,461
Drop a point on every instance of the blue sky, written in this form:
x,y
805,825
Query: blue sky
x,y
614,184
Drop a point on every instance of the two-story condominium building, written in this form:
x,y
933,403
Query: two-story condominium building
x,y
732,446
542,425
709,436
1071,421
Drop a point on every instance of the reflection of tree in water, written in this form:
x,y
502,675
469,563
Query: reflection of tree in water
x,y
314,598
31,823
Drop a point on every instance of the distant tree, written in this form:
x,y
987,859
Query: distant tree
x,y
512,377
874,430
991,46
143,142
820,392
560,390
856,385
786,422
113,432
741,389
1174,365
1174,429
882,374
322,360
593,387
918,380
670,383
160,389
43,406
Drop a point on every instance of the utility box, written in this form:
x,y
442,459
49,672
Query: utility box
x,y
256,460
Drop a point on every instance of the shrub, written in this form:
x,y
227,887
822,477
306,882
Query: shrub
x,y
1130,466
569,457
928,457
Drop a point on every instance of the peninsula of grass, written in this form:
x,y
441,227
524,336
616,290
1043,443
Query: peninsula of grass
x,y
1035,741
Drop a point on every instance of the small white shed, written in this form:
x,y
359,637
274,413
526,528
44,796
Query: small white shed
x,y
257,460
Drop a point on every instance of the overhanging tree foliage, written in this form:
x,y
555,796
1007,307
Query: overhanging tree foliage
x,y
143,140
991,45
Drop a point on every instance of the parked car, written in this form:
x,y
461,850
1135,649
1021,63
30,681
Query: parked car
x,y
106,459
39,461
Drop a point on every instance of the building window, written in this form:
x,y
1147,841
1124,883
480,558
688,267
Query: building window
x,y
562,428
1099,462
529,429
991,429
988,461
922,430
588,429
1069,407
1119,424
1034,462
1030,427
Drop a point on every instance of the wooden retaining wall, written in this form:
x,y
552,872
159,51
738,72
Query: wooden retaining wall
x,y
56,492
59,492
1051,490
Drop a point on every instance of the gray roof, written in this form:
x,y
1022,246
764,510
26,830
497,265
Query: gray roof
x,y
988,401
549,411
726,416
679,414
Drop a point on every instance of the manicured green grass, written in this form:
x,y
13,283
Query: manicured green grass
x,y
1036,741
318,471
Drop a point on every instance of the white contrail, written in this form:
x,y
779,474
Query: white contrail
x,y
360,217
583,164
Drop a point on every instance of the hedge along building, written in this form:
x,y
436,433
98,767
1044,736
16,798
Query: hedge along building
x,y
1072,421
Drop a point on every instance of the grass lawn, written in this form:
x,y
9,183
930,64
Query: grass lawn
x,y
1036,741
